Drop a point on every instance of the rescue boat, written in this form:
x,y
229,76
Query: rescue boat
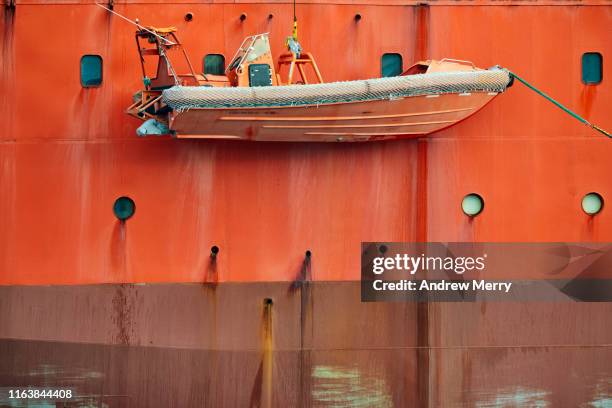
x,y
254,101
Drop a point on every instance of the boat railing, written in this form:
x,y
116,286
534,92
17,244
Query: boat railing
x,y
244,49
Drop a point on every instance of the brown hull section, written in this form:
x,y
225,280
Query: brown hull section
x,y
359,121
176,345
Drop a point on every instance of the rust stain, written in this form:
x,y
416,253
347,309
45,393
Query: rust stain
x,y
122,314
421,31
262,396
211,281
7,34
466,373
421,191
304,274
118,252
587,96
266,387
302,283
423,354
422,308
7,70
257,387
211,276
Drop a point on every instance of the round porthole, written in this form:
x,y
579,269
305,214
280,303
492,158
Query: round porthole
x,y
472,204
124,208
592,203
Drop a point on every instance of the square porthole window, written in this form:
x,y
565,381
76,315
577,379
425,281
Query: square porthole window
x,y
214,64
592,68
91,71
391,65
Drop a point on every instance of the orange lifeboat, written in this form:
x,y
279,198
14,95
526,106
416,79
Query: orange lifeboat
x,y
253,101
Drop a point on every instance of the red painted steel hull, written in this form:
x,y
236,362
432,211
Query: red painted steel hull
x,y
66,153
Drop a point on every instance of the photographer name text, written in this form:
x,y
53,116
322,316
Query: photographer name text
x,y
411,285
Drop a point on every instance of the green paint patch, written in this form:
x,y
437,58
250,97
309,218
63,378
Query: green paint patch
x,y
602,397
347,387
517,397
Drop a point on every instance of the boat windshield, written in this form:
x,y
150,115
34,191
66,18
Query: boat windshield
x,y
252,48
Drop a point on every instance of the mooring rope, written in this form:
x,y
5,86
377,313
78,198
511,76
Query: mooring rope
x,y
566,110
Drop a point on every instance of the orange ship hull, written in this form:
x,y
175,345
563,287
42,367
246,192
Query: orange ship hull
x,y
138,313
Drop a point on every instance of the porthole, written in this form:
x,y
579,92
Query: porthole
x,y
391,65
592,68
124,208
472,204
214,64
592,203
91,71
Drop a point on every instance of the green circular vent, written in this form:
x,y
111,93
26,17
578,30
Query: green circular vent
x,y
124,208
592,203
472,204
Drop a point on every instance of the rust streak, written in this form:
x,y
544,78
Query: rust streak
x,y
422,308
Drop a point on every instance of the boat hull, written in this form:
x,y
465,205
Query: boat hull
x,y
352,122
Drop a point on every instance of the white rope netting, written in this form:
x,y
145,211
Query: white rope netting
x,y
186,97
